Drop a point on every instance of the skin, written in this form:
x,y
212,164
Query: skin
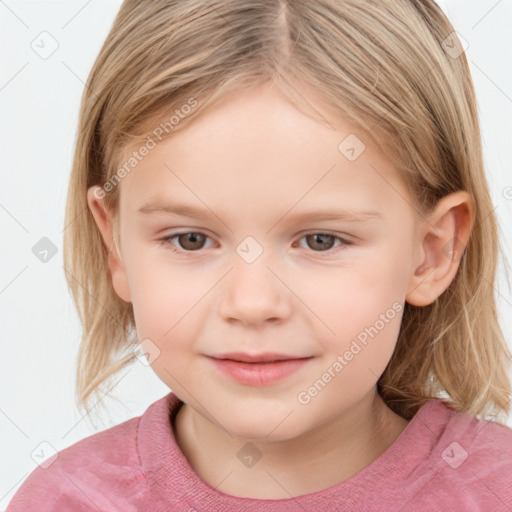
x,y
255,161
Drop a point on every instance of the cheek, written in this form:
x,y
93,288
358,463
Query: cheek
x,y
367,327
167,301
166,308
354,296
362,306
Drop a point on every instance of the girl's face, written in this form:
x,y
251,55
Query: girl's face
x,y
262,179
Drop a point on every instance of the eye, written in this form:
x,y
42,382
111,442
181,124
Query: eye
x,y
189,241
194,241
323,242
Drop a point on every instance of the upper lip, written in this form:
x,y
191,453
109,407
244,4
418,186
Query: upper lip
x,y
257,358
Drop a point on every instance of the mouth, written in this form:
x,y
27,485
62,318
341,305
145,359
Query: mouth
x,y
264,358
258,370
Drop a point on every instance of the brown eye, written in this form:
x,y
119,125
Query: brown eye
x,y
320,241
325,242
187,242
191,241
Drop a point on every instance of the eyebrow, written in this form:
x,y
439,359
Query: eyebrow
x,y
184,210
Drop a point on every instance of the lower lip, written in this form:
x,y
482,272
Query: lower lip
x,y
259,374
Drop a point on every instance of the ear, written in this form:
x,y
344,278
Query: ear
x,y
442,240
104,221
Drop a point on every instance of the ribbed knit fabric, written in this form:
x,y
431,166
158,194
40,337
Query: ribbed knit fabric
x,y
442,461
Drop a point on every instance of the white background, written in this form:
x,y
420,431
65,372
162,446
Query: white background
x,y
39,101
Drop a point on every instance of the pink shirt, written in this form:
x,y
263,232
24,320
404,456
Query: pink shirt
x,y
443,460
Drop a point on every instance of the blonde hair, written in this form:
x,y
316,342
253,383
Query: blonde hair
x,y
382,65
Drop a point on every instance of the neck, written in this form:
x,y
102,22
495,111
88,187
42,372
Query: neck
x,y
320,458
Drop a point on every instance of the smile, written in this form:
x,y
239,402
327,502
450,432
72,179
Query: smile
x,y
259,373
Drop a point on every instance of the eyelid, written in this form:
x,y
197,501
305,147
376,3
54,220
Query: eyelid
x,y
346,238
166,240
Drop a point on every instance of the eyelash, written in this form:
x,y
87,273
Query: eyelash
x,y
166,241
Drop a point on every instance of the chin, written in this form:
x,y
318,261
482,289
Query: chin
x,y
266,428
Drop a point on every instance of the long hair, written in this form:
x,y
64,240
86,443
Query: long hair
x,y
392,69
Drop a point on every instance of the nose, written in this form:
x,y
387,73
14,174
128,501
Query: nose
x,y
253,293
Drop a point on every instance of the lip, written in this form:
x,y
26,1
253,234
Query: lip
x,y
259,373
257,358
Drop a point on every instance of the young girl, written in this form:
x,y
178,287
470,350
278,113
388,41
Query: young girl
x,y
221,145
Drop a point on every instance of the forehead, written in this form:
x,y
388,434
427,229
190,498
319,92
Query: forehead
x,y
257,146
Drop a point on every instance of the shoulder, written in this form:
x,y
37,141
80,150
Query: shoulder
x,y
471,463
77,477
484,442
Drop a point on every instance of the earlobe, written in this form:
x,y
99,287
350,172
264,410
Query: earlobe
x,y
104,221
444,239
